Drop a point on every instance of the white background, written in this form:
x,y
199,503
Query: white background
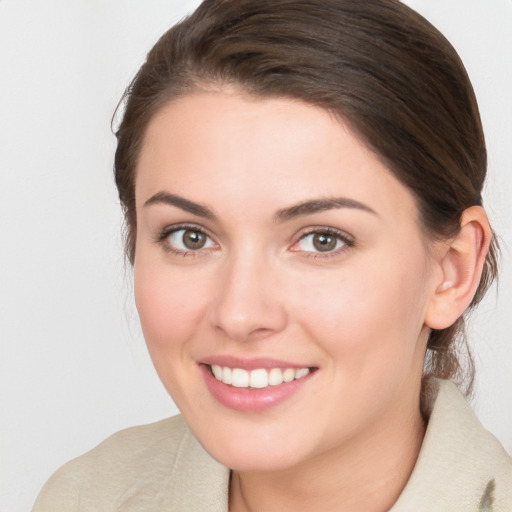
x,y
73,364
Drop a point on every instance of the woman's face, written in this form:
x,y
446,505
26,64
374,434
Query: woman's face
x,y
276,251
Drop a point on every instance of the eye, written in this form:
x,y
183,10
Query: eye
x,y
188,239
322,242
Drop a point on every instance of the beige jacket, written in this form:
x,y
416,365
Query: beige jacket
x,y
161,467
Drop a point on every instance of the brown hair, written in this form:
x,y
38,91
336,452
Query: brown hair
x,y
377,64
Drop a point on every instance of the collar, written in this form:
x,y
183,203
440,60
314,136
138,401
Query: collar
x,y
460,466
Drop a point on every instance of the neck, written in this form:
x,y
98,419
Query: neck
x,y
369,473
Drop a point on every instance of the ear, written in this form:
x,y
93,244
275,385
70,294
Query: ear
x,y
461,262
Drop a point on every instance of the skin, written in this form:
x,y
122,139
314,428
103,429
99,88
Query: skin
x,y
357,314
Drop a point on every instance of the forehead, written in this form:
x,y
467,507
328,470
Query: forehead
x,y
233,149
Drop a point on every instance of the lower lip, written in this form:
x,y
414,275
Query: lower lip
x,y
251,399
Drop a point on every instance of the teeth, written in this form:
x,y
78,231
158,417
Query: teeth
x,y
275,377
301,373
240,378
259,378
289,374
217,371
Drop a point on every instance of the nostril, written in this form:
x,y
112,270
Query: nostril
x,y
243,327
247,305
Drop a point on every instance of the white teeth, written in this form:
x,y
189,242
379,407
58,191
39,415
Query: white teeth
x,y
227,375
240,378
217,371
260,378
301,373
289,375
275,377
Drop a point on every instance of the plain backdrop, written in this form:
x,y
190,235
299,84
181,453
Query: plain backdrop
x,y
73,364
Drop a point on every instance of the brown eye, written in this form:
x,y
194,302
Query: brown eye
x,y
194,239
324,242
186,239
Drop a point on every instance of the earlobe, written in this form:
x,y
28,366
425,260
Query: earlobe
x,y
461,264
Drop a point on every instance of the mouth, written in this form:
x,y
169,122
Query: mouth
x,y
256,387
259,378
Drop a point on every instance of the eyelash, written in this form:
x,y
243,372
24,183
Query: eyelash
x,y
163,235
347,240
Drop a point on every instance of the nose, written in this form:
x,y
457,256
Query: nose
x,y
248,304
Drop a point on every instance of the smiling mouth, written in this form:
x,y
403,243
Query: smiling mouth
x,y
257,379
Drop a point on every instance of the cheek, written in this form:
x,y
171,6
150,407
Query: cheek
x,y
369,314
169,303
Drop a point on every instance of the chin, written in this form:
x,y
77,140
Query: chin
x,y
260,450
254,460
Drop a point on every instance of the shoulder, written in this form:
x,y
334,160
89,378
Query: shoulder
x,y
461,466
133,469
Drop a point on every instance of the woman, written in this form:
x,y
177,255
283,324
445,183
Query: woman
x,y
302,183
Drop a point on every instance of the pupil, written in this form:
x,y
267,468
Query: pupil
x,y
194,239
323,242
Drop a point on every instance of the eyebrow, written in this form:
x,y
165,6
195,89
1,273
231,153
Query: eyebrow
x,y
182,203
320,205
283,215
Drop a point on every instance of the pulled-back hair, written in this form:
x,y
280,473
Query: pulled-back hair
x,y
377,64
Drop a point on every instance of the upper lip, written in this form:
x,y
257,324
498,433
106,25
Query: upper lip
x,y
252,363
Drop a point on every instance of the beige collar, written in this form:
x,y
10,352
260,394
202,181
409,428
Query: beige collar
x,y
461,466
